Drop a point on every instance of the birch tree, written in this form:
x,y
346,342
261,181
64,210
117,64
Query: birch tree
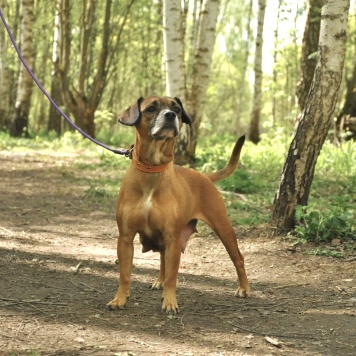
x,y
54,117
173,38
254,133
4,74
24,84
275,55
187,140
241,88
309,51
298,170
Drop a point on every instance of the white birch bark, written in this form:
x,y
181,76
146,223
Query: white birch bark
x,y
187,141
254,134
203,58
173,48
298,171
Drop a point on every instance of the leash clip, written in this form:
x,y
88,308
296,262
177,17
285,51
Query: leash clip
x,y
128,154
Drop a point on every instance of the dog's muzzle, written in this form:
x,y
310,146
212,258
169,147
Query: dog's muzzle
x,y
166,125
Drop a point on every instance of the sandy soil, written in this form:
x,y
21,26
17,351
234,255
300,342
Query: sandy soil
x,y
58,271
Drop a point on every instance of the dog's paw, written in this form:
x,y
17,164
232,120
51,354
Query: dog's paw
x,y
170,305
170,308
157,285
117,303
243,292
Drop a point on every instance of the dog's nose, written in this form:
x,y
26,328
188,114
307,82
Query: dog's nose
x,y
170,115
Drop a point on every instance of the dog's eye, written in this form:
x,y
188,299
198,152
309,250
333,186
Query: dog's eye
x,y
151,109
177,110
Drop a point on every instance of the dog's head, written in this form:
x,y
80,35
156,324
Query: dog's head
x,y
159,117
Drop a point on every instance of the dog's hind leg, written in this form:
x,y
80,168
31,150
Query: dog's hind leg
x,y
158,283
125,252
215,216
228,238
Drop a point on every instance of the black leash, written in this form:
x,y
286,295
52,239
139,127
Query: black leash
x,y
120,151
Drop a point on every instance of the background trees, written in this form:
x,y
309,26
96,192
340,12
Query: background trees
x,y
254,134
19,123
114,53
97,57
298,171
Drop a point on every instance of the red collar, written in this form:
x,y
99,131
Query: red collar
x,y
149,168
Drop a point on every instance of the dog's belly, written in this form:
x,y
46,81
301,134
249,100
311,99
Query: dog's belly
x,y
153,242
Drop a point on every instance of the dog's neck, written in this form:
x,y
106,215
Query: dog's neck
x,y
153,153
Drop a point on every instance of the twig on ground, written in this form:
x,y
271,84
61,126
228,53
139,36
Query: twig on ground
x,y
6,230
76,285
181,321
290,285
271,306
262,333
141,343
12,301
91,288
349,259
8,336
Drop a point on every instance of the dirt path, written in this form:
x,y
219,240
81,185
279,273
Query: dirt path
x,y
57,272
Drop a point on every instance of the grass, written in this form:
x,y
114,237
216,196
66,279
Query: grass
x,y
248,193
255,180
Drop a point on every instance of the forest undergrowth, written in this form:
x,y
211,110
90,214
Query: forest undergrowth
x,y
328,222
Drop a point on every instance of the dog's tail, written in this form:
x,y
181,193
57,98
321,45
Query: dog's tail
x,y
231,165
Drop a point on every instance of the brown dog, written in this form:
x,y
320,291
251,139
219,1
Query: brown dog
x,y
162,202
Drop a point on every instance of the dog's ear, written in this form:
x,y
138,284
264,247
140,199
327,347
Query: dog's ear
x,y
185,117
131,115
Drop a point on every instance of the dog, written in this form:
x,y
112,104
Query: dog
x,y
162,202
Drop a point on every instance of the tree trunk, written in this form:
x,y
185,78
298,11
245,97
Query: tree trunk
x,y
309,51
298,170
254,134
54,117
173,48
187,140
83,99
346,120
24,87
241,88
275,55
5,88
193,40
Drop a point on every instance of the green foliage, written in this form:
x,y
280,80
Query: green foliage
x,y
321,251
337,162
255,179
248,193
259,167
247,212
320,227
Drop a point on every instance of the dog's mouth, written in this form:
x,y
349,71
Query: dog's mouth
x,y
164,133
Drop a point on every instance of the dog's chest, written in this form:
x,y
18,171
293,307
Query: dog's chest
x,y
146,212
150,209
147,203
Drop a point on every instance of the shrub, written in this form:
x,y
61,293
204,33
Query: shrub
x,y
324,227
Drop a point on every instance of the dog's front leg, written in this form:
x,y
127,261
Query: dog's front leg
x,y
172,260
158,283
125,252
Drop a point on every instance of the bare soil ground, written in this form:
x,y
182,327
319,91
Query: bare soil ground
x,y
58,271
